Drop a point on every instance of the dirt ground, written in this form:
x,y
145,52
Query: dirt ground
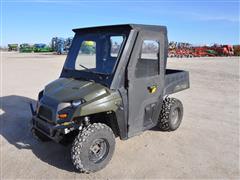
x,y
205,146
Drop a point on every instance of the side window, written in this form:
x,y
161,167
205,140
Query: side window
x,y
116,42
148,62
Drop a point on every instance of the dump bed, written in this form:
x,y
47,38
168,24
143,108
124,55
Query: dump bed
x,y
175,81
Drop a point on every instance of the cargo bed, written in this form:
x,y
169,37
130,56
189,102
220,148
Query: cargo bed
x,y
175,81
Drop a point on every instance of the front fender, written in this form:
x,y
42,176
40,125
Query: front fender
x,y
110,102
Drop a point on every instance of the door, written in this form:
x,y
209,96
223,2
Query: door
x,y
145,82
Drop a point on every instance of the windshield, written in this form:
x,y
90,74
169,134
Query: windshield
x,y
95,53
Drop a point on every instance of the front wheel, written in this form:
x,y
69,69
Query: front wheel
x,y
93,148
171,114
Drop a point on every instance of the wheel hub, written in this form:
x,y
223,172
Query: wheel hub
x,y
98,150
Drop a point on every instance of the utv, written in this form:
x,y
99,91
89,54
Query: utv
x,y
114,83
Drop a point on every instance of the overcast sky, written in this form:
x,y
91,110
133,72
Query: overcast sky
x,y
194,21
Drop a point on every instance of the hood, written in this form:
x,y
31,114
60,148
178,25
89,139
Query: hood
x,y
66,89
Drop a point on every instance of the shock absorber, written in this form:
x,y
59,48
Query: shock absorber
x,y
86,121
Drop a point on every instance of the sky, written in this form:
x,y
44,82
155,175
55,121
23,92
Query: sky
x,y
193,21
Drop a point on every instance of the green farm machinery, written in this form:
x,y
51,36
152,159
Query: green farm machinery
x,y
25,48
12,47
41,48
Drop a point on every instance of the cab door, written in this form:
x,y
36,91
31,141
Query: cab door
x,y
145,75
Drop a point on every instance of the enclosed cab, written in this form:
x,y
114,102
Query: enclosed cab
x,y
114,83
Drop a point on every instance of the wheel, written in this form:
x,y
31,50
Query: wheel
x,y
171,114
40,136
93,148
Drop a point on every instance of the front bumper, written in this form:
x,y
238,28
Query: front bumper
x,y
53,131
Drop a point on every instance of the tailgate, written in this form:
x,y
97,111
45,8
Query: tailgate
x,y
175,81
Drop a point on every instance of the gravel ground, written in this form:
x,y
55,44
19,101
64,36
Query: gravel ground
x,y
205,146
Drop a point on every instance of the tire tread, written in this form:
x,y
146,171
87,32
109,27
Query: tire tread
x,y
78,144
164,118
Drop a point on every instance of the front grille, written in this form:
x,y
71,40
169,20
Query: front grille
x,y
45,113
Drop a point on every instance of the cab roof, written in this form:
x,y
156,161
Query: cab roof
x,y
122,27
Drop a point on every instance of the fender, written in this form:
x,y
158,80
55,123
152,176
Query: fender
x,y
110,103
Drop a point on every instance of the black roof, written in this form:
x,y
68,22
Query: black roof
x,y
122,27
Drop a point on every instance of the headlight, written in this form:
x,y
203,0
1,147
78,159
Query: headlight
x,y
63,105
78,102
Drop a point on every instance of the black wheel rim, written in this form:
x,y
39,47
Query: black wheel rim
x,y
98,150
175,116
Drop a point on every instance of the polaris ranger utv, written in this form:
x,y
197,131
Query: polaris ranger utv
x,y
114,83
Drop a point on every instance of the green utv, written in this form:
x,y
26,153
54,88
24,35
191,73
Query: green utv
x,y
114,83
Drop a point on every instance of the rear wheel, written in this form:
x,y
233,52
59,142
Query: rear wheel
x,y
93,148
171,114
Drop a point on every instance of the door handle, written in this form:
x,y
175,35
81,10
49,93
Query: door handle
x,y
152,89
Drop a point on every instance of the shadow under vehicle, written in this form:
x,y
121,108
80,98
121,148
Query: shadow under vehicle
x,y
114,83
15,120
